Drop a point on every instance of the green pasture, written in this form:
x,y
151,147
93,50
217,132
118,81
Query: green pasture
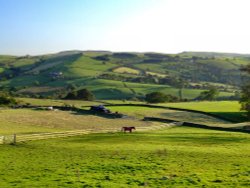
x,y
208,106
86,66
176,157
126,70
228,109
5,59
111,89
53,102
1,70
141,112
24,62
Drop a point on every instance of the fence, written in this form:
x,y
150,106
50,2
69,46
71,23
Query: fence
x,y
13,139
189,124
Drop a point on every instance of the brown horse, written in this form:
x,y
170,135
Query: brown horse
x,y
130,129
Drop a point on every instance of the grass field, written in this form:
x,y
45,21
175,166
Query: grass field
x,y
126,70
170,157
176,157
26,121
141,112
51,102
228,109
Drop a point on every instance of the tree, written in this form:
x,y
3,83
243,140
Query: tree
x,y
245,93
6,100
180,84
82,94
71,95
85,94
158,97
71,87
209,95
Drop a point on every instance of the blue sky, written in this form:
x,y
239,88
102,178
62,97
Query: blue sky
x,y
171,26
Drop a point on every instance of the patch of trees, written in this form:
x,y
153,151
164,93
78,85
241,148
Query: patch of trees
x,y
197,70
156,55
82,94
209,95
7,100
245,92
102,58
147,79
159,97
152,60
124,55
161,57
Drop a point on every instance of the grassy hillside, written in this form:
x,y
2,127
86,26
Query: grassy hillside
x,y
121,75
177,157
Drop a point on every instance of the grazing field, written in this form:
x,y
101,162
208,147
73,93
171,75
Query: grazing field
x,y
27,121
175,157
52,102
126,70
141,112
228,109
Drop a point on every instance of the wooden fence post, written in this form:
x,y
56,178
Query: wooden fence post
x,y
1,139
14,139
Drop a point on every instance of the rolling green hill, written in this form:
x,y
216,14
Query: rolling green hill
x,y
122,75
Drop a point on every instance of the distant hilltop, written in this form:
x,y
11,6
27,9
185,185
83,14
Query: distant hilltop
x,y
185,53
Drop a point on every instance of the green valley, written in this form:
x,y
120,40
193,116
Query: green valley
x,y
121,75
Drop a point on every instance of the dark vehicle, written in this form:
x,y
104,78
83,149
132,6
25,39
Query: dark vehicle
x,y
100,108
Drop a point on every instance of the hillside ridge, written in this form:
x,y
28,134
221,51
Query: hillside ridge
x,y
122,75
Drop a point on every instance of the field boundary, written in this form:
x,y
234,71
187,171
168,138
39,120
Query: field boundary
x,y
195,125
179,109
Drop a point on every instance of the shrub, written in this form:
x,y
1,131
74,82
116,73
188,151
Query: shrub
x,y
82,94
158,97
6,100
209,95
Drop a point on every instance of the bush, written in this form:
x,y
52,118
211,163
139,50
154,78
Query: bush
x,y
245,92
158,97
82,94
209,95
6,100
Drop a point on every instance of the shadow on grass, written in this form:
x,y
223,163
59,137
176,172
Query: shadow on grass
x,y
192,117
100,114
204,139
79,111
159,138
238,117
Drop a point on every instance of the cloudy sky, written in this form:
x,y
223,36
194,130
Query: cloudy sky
x,y
169,26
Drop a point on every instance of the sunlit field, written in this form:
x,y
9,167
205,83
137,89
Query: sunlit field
x,y
175,157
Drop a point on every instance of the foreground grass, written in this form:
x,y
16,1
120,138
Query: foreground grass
x,y
177,157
